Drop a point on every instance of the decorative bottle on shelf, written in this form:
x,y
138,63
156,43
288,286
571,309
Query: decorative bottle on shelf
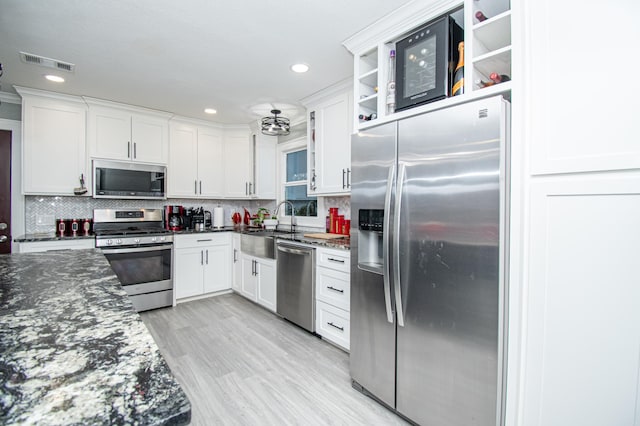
x,y
371,116
481,83
480,16
499,78
391,85
458,74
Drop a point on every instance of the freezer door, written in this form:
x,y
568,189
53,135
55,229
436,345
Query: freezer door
x,y
372,352
449,233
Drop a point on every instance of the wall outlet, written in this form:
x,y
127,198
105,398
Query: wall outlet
x,y
44,219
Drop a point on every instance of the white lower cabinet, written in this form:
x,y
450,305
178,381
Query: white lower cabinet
x,y
259,280
202,264
40,246
333,296
236,281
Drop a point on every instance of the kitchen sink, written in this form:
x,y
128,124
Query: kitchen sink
x,y
261,243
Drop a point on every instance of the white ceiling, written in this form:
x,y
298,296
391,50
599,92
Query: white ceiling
x,y
181,56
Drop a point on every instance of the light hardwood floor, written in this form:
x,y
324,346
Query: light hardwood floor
x,y
243,365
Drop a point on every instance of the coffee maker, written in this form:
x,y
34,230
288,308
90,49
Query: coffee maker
x,y
173,217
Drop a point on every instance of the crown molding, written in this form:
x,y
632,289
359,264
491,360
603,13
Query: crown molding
x,y
335,89
392,26
10,98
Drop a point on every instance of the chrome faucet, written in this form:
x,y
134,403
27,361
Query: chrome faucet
x,y
293,213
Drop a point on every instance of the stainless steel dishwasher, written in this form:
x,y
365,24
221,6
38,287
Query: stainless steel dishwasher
x,y
296,297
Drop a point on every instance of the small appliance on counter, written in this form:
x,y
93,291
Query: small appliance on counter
x,y
201,219
173,217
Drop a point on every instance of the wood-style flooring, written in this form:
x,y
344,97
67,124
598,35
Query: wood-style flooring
x,y
243,365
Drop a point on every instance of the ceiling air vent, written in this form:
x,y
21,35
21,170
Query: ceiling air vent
x,y
29,58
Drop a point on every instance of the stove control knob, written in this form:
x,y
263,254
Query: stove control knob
x,y
162,238
109,242
153,239
118,241
136,240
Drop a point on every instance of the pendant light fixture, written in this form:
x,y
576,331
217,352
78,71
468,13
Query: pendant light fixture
x,y
275,126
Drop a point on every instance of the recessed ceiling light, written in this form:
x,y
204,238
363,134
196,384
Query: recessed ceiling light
x,y
299,68
54,78
210,111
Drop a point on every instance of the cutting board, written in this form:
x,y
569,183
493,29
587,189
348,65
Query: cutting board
x,y
324,236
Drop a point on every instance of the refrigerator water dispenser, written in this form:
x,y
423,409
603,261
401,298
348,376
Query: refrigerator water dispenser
x,y
370,240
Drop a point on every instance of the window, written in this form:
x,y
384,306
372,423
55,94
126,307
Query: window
x,y
295,185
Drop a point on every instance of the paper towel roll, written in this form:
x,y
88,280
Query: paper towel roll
x,y
218,217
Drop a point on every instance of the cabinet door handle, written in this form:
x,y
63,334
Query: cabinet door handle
x,y
201,257
335,326
207,256
250,188
246,188
135,145
348,178
344,173
200,187
331,259
128,149
235,255
195,187
335,289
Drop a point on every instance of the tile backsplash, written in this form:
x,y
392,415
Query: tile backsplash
x,y
42,211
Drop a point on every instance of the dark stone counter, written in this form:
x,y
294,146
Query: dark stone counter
x,y
73,350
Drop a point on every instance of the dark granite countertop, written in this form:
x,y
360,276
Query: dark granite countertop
x,y
73,350
340,243
49,237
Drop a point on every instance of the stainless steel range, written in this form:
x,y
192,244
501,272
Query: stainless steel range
x,y
139,250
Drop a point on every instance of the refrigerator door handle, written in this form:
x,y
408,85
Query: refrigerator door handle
x,y
396,245
385,245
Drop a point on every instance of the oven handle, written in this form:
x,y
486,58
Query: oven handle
x,y
107,250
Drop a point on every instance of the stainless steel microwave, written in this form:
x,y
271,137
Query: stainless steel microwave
x,y
119,179
425,60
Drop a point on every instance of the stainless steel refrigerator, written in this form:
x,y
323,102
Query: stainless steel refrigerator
x,y
428,270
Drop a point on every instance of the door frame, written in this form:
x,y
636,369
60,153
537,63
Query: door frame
x,y
17,199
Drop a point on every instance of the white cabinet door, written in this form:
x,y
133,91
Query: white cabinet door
x,y
210,162
265,167
249,281
237,264
188,272
217,268
333,145
182,171
266,275
54,140
149,137
110,133
238,154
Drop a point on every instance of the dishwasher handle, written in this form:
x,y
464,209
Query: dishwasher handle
x,y
294,251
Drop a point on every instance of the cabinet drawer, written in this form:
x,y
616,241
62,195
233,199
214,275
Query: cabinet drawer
x,y
333,287
334,259
333,324
201,239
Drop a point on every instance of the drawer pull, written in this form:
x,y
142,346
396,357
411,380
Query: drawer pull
x,y
335,260
335,326
335,289
202,241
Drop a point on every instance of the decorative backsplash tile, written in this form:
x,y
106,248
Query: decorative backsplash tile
x,y
41,212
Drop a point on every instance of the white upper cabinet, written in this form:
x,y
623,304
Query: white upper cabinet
x,y
264,166
238,170
329,141
196,163
122,132
54,140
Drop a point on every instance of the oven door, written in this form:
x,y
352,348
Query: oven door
x,y
142,270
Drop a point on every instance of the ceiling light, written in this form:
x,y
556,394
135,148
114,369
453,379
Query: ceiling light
x,y
210,111
299,68
54,78
275,126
